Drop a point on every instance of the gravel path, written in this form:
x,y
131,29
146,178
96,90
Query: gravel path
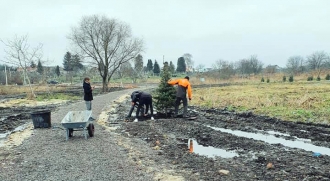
x,y
46,155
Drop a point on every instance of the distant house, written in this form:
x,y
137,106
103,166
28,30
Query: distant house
x,y
28,69
205,70
271,69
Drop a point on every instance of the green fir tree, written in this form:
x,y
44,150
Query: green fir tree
x,y
150,66
57,71
156,68
165,93
40,68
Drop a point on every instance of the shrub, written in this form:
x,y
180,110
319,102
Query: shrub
x,y
262,79
318,78
310,78
284,79
327,77
291,78
267,80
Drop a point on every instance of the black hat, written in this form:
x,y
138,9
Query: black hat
x,y
186,77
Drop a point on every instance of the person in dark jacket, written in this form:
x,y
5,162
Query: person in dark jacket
x,y
181,94
145,99
88,94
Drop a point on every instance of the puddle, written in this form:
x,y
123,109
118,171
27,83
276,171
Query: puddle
x,y
274,140
21,128
284,134
210,151
277,133
304,131
3,136
2,143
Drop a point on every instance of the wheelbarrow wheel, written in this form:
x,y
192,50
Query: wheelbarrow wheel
x,y
91,130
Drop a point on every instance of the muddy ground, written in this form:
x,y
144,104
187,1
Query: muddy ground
x,y
238,157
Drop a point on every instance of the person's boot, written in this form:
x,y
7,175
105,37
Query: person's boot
x,y
176,110
185,109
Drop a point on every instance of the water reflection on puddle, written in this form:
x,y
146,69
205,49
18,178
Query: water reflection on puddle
x,y
3,139
274,140
3,136
210,151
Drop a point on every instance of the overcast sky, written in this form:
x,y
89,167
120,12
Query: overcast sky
x,y
209,30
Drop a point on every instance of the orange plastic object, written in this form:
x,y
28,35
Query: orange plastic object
x,y
191,146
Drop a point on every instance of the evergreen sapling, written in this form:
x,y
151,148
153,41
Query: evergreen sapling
x,y
165,93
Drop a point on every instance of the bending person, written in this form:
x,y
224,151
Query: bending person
x,y
134,102
145,99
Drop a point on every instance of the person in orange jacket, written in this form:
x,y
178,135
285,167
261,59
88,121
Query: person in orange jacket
x,y
181,94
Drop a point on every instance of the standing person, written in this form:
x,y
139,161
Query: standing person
x,y
145,99
181,94
88,94
134,101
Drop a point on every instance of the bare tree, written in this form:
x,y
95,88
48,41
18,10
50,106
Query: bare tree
x,y
224,69
295,65
189,62
249,66
316,60
19,53
243,67
107,42
200,67
255,64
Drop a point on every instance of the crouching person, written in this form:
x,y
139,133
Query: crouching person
x,y
145,99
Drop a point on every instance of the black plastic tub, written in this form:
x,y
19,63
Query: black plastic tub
x,y
41,119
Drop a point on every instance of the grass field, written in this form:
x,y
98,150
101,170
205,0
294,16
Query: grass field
x,y
297,101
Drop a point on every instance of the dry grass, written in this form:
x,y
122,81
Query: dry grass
x,y
14,89
299,101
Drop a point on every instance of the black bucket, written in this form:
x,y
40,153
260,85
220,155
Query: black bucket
x,y
41,119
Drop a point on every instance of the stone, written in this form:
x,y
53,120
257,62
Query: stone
x,y
270,166
224,172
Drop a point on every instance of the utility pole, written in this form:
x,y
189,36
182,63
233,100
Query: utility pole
x,y
6,75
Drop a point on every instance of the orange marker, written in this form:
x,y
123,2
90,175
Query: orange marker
x,y
191,146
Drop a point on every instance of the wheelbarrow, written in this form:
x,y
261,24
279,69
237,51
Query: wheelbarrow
x,y
78,121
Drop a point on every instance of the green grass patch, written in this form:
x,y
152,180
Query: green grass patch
x,y
306,102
